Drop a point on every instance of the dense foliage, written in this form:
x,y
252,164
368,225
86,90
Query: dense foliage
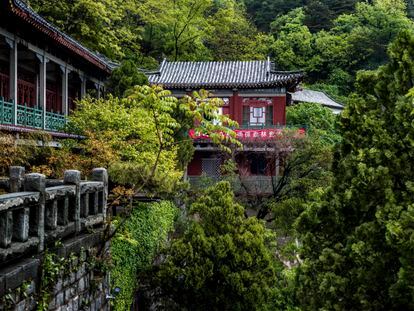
x,y
319,13
330,39
355,41
357,240
318,120
351,221
140,138
223,261
40,157
135,245
148,30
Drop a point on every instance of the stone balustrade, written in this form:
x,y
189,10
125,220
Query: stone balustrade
x,y
33,214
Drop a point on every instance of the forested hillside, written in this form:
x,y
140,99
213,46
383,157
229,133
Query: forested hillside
x,y
330,39
309,211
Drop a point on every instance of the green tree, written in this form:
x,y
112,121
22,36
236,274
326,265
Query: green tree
x,y
319,121
293,46
264,12
356,41
318,16
222,262
232,36
125,77
107,26
179,25
138,138
357,240
370,29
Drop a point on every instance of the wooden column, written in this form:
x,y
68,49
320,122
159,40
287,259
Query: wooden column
x,y
83,86
13,75
98,88
42,85
65,81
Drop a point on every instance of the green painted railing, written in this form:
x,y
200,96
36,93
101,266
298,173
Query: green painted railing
x,y
6,112
31,117
54,122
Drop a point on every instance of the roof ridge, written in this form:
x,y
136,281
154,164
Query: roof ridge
x,y
213,61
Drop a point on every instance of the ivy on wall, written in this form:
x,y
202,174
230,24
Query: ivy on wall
x,y
135,246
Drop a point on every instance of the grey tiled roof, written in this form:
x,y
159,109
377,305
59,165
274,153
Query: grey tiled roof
x,y
62,37
310,96
227,74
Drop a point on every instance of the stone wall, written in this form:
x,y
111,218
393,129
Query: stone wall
x,y
49,237
80,286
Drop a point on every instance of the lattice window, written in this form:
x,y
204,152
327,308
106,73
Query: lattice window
x,y
257,112
211,167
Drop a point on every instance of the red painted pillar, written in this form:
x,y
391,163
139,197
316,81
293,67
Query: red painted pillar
x,y
279,110
238,108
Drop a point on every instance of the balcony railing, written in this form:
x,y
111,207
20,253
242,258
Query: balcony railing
x,y
246,185
30,117
255,126
36,212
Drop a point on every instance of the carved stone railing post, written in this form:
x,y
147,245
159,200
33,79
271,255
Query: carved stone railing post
x,y
51,215
37,182
101,174
95,207
16,178
63,216
85,205
73,177
21,225
6,229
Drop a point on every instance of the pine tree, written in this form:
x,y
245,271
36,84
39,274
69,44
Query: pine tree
x,y
222,262
358,243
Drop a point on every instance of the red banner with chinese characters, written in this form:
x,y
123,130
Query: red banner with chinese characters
x,y
262,134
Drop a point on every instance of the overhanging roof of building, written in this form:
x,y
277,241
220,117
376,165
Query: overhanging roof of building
x,y
20,9
310,96
222,75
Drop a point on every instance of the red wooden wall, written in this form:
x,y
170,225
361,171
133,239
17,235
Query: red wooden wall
x,y
279,109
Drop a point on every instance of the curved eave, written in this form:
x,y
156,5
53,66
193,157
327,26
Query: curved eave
x,y
57,36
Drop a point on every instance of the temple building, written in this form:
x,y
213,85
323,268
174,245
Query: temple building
x,y
42,71
254,94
